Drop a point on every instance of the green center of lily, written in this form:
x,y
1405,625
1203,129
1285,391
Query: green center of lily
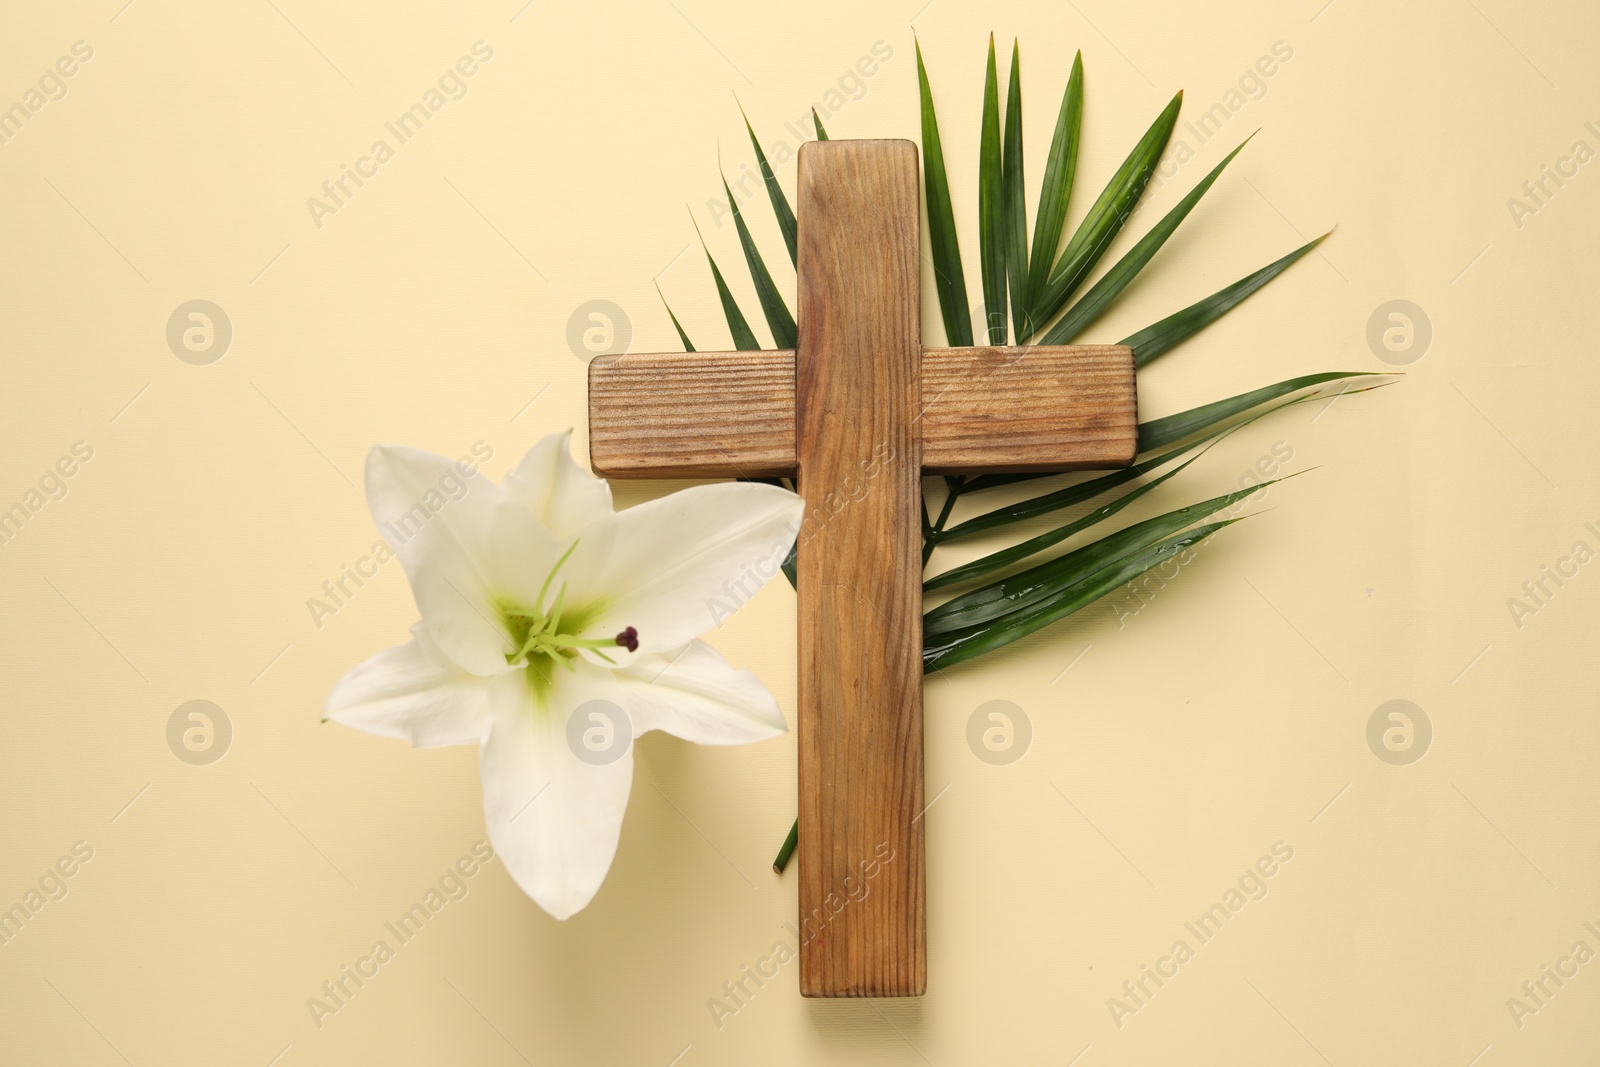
x,y
552,634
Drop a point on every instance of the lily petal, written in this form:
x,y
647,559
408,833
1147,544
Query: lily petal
x,y
553,819
673,568
413,692
561,494
462,540
694,694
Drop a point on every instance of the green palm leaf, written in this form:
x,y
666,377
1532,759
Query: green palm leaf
x,y
1030,285
1105,218
1015,207
1197,420
1108,288
779,321
974,642
949,280
688,346
967,644
1153,340
1158,433
1018,591
1067,497
992,209
743,339
780,202
1051,218
1006,557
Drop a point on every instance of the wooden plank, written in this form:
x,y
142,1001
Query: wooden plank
x,y
991,410
692,415
863,927
727,414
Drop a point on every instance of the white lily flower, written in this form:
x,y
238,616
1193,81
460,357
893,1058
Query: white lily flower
x,y
539,600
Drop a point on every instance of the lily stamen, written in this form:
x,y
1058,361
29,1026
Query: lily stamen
x,y
545,588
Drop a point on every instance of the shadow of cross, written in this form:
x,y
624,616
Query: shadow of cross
x,y
857,412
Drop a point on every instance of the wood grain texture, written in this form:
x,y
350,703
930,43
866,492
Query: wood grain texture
x,y
863,926
992,410
984,410
692,414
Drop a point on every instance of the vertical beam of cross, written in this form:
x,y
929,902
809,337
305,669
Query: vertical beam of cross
x,y
859,587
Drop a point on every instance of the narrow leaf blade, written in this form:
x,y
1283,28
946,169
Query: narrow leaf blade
x,y
743,339
958,648
1006,557
1196,420
779,320
992,209
780,202
949,280
1016,209
1018,591
1105,218
1078,493
1051,218
1158,433
1082,492
1153,340
1105,291
688,346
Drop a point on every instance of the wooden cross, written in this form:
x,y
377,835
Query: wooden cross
x,y
857,413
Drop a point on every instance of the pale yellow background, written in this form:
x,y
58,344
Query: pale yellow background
x,y
432,309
